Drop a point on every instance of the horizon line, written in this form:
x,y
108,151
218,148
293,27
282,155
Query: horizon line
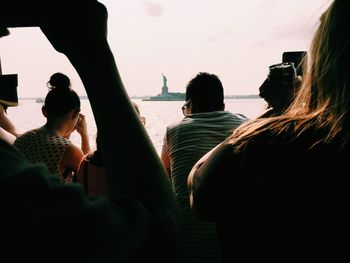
x,y
145,96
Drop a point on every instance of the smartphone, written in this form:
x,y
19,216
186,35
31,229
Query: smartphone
x,y
297,58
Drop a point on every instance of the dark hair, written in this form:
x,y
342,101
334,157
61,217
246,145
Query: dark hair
x,y
205,92
61,99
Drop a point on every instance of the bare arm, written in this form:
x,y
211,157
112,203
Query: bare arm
x,y
207,180
82,130
6,123
6,136
197,166
71,158
131,162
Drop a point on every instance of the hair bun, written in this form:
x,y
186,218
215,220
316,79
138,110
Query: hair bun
x,y
58,80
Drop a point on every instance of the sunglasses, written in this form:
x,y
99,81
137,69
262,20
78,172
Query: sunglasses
x,y
185,108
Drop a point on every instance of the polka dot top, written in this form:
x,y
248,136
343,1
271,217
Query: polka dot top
x,y
40,147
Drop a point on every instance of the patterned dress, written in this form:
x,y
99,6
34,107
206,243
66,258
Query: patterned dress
x,y
40,147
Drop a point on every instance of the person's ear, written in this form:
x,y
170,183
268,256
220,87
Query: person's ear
x,y
75,113
44,112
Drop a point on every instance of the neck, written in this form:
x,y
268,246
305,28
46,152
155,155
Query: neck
x,y
54,128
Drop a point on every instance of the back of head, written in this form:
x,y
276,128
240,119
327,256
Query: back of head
x,y
61,99
205,92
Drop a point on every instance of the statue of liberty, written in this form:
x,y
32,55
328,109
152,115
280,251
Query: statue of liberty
x,y
165,90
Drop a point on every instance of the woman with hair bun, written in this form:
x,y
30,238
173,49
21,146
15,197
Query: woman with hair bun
x,y
50,143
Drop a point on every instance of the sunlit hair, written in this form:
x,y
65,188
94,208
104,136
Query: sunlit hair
x,y
323,101
61,99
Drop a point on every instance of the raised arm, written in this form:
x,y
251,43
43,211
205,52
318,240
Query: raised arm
x,y
81,128
131,162
6,136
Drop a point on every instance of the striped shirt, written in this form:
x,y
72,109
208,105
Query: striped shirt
x,y
184,144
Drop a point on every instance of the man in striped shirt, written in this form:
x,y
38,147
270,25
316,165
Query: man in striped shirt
x,y
204,126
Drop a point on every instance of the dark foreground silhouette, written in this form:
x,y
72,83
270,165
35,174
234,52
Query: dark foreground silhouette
x,y
45,221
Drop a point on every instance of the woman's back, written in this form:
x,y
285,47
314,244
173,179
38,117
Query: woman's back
x,y
287,201
41,147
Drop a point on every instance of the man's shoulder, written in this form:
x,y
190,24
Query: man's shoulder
x,y
227,116
176,124
239,116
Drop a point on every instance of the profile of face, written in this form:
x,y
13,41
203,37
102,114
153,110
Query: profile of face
x,y
142,119
187,108
75,117
71,121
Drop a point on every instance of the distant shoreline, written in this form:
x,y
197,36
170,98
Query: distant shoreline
x,y
252,96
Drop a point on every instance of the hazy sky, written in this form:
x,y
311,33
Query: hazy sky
x,y
237,40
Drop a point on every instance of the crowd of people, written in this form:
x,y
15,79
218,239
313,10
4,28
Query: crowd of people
x,y
224,189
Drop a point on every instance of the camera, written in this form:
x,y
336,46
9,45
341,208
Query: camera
x,y
8,90
280,85
282,82
282,73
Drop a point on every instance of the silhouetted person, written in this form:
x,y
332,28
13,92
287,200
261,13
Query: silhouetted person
x,y
279,89
43,220
205,125
50,143
278,187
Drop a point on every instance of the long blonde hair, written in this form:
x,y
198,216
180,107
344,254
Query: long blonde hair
x,y
323,101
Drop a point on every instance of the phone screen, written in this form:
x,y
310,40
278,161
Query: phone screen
x,y
296,57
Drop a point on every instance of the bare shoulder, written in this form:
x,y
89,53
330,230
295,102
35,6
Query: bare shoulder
x,y
72,157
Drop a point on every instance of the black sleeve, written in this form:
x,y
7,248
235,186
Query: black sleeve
x,y
47,221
